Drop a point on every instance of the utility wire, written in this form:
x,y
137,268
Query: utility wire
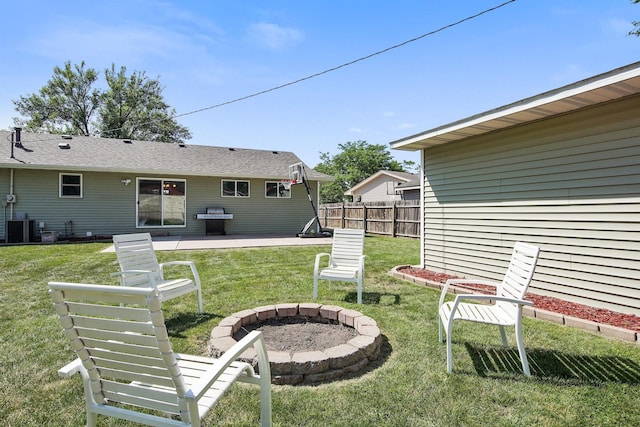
x,y
346,64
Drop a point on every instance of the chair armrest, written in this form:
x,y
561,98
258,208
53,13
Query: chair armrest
x,y
461,297
254,339
454,282
70,368
319,257
191,264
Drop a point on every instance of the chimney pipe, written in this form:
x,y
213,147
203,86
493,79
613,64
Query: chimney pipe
x,y
18,132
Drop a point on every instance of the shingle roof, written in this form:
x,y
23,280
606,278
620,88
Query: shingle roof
x,y
409,185
48,151
405,176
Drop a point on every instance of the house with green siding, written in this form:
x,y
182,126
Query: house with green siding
x,y
77,186
560,170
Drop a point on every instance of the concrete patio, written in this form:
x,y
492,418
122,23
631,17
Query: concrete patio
x,y
172,243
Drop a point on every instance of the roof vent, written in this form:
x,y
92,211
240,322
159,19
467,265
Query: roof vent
x,y
181,144
64,146
232,149
67,137
126,141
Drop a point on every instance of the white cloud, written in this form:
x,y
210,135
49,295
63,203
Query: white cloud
x,y
120,44
355,129
273,36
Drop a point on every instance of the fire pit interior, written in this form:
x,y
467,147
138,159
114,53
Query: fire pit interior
x,y
307,343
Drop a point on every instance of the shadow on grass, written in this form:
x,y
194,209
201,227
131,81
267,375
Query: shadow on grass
x,y
181,322
573,369
373,298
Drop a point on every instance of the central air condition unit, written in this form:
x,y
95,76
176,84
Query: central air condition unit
x,y
11,198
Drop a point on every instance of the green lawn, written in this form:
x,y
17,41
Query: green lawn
x,y
579,379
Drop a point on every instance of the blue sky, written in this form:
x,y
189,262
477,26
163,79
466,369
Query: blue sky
x,y
209,52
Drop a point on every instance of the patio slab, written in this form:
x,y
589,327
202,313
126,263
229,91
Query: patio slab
x,y
173,243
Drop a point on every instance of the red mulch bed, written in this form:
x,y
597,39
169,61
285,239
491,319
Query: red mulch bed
x,y
599,315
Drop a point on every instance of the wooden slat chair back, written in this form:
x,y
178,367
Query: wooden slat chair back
x,y
139,266
344,263
125,358
506,304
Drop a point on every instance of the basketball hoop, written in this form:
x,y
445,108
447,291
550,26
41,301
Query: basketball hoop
x,y
296,173
287,183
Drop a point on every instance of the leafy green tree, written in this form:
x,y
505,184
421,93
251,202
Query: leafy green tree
x,y
357,161
636,24
131,106
65,104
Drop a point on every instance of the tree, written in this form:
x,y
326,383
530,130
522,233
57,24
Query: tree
x,y
636,24
131,107
357,161
65,105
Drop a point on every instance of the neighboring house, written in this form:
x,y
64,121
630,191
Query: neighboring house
x,y
409,190
560,170
379,187
80,185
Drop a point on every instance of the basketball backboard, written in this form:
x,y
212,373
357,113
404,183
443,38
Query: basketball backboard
x,y
296,173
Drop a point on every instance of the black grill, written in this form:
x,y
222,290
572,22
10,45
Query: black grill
x,y
215,218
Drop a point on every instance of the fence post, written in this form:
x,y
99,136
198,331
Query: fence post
x,y
342,210
364,217
394,219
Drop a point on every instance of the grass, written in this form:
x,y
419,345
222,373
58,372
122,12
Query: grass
x,y
579,379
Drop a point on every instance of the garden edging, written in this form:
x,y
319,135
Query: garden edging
x,y
550,316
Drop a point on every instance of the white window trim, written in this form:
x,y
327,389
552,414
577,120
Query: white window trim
x,y
60,186
236,191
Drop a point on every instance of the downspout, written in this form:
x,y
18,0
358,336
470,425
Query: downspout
x,y
10,192
422,231
17,132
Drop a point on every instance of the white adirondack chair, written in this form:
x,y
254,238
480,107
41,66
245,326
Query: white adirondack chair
x,y
139,267
508,301
346,261
126,361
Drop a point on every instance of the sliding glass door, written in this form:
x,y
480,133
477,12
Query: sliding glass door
x,y
161,203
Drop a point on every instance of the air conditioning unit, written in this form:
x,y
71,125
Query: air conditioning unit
x,y
11,198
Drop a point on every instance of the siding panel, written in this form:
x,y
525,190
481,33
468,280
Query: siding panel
x,y
569,184
108,207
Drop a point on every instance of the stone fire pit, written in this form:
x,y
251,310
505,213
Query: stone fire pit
x,y
301,366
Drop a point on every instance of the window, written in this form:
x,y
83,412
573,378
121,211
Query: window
x,y
70,185
162,203
276,189
232,188
391,187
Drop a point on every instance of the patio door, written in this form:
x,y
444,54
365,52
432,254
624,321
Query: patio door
x,y
161,203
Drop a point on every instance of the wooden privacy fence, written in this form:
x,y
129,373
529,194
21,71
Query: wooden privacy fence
x,y
400,218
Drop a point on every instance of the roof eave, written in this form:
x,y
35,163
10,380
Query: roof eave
x,y
607,87
164,172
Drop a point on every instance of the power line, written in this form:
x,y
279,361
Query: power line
x,y
346,64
